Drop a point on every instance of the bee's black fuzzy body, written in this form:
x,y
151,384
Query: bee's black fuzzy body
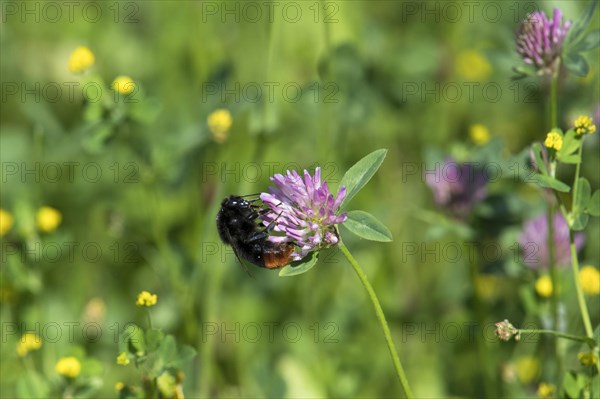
x,y
238,226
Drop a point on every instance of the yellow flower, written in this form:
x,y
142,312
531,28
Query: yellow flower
x,y
589,278
587,359
546,391
553,140
48,219
584,124
167,384
122,359
81,59
528,368
119,386
123,84
6,222
479,134
68,366
29,342
219,122
543,286
473,65
146,299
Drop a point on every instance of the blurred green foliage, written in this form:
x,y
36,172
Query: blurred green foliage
x,y
138,179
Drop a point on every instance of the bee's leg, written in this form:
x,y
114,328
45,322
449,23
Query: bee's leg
x,y
256,214
258,236
265,232
271,225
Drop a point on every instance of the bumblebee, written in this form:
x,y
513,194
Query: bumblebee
x,y
238,224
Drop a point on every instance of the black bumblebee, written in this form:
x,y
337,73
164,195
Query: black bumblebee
x,y
238,226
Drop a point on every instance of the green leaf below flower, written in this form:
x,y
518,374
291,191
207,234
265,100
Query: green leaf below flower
x,y
581,24
367,226
573,383
593,207
571,143
539,160
550,182
132,340
360,173
167,352
301,266
582,195
575,63
580,220
153,338
589,42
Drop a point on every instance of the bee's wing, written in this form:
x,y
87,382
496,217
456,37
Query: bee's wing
x,y
237,255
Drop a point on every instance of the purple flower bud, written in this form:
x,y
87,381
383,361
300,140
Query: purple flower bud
x,y
457,187
303,209
540,40
534,241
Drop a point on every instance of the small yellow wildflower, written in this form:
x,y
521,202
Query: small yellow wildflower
x,y
81,59
123,84
119,386
68,366
473,65
584,124
122,359
28,342
543,286
479,134
219,122
528,368
587,358
146,299
553,140
545,390
48,219
589,278
6,222
167,384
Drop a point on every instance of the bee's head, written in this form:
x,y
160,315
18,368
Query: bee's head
x,y
234,201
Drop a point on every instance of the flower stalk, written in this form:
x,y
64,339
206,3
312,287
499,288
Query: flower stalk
x,y
585,315
554,301
381,317
578,338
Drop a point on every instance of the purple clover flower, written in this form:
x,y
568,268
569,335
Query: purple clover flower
x,y
304,210
540,40
457,187
534,241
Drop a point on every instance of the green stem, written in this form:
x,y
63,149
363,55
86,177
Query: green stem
x,y
585,315
572,337
555,299
577,170
554,96
379,312
149,318
552,261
